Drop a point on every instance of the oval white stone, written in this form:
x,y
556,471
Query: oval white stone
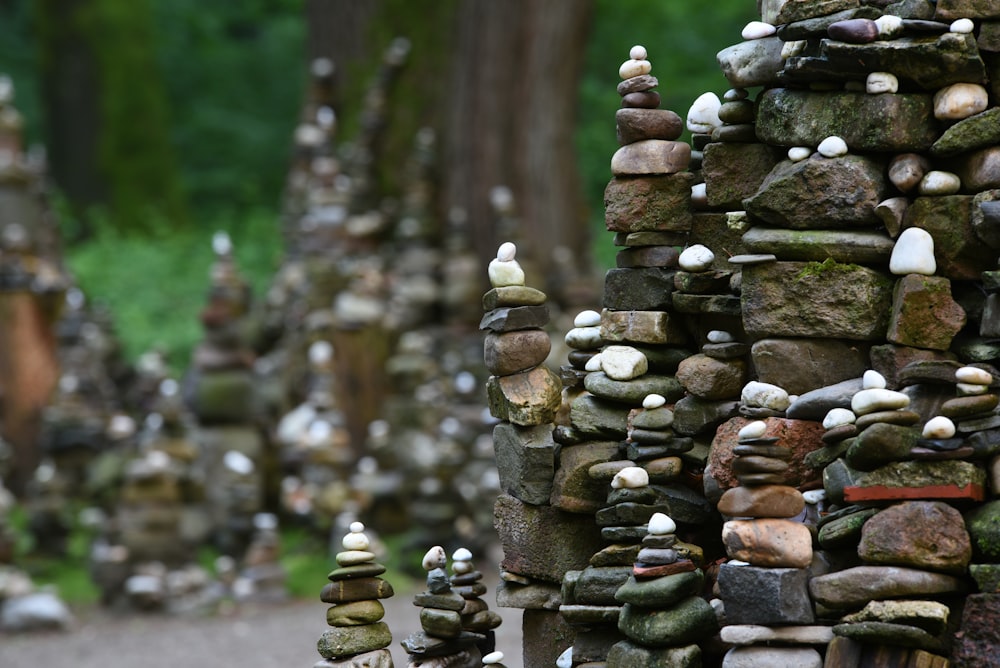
x,y
959,101
757,30
593,364
939,427
971,389
507,251
565,659
699,196
630,477
355,541
814,496
623,362
696,258
703,116
588,318
505,273
872,380
972,374
634,68
638,52
461,554
720,336
765,395
799,153
584,338
837,417
937,182
881,82
357,527
832,147
889,25
755,429
436,557
869,401
496,657
913,253
653,401
661,525
462,567
962,26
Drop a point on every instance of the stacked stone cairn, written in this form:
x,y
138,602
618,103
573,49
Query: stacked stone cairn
x,y
442,640
476,615
358,636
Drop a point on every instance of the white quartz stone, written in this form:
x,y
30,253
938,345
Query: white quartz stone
x,y
937,182
814,496
593,364
720,336
630,477
584,338
355,541
507,251
799,153
651,401
870,401
699,195
872,380
889,25
939,427
755,429
971,389
565,659
913,253
495,657
634,68
638,52
661,525
504,270
764,395
972,374
436,557
881,82
832,147
837,417
758,30
793,48
959,101
461,554
962,26
588,318
703,116
623,362
696,258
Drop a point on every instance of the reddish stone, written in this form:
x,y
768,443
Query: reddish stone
x,y
924,315
679,566
971,491
801,436
921,534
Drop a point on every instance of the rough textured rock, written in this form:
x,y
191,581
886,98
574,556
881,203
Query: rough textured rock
x,y
969,134
850,246
854,587
979,635
646,289
573,489
712,379
688,622
957,251
525,461
802,365
800,435
734,171
528,398
921,534
983,524
768,596
649,203
924,315
753,63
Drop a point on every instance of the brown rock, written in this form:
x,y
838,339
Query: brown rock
x,y
924,315
710,378
638,84
512,352
854,31
638,124
772,543
962,407
647,256
907,169
573,489
957,251
734,171
802,436
763,501
647,99
801,365
889,360
528,398
923,534
649,203
641,327
651,156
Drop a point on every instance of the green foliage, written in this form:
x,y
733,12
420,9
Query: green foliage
x,y
68,575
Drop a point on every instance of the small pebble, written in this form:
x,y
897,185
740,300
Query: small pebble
x,y
720,336
735,94
837,417
638,52
881,82
504,270
814,496
889,25
634,68
462,567
832,147
962,26
593,364
587,318
764,395
565,659
661,525
355,541
939,427
497,657
799,153
758,30
869,401
971,389
507,251
436,557
357,527
753,430
696,258
630,477
652,401
793,48
913,253
699,196
972,374
462,554
584,338
703,116
872,380
937,182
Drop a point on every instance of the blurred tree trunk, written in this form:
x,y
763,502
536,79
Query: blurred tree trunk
x,y
499,82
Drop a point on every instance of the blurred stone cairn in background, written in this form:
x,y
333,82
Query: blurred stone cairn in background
x,y
778,443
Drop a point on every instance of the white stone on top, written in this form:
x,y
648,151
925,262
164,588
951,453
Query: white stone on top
x,y
881,82
660,524
889,25
755,429
938,182
972,374
634,68
630,477
799,153
703,116
913,253
638,52
757,30
651,401
962,26
814,496
720,336
461,554
696,258
838,417
436,557
764,395
623,362
507,251
593,364
832,147
588,318
939,427
872,380
870,401
504,270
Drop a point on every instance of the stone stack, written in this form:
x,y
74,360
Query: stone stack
x,y
358,636
476,615
442,640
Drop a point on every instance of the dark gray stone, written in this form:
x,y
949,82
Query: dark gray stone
x,y
765,596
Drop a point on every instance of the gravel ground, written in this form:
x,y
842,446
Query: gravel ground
x,y
278,636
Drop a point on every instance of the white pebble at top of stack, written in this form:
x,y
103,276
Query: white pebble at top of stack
x,y
661,525
636,65
436,557
504,270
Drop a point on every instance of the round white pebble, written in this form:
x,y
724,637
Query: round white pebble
x,y
832,147
696,258
638,52
765,395
565,659
870,401
881,82
634,68
357,527
937,182
939,427
837,417
913,253
703,116
507,251
661,525
972,374
872,380
699,195
814,496
497,657
630,477
593,364
653,401
720,336
462,567
757,30
355,541
962,26
588,318
889,25
436,557
755,429
799,153
462,554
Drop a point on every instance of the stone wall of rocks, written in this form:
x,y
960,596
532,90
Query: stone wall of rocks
x,y
795,364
